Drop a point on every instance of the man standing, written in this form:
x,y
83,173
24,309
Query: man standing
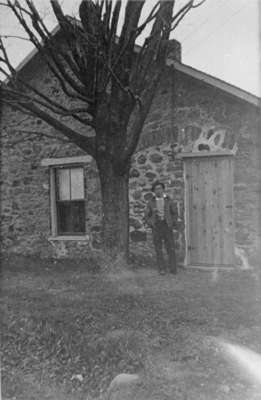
x,y
161,216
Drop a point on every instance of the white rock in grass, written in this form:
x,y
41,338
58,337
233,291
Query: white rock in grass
x,y
77,377
123,387
124,379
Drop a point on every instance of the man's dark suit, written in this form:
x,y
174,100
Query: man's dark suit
x,y
162,231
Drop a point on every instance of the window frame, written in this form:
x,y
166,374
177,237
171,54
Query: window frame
x,y
54,200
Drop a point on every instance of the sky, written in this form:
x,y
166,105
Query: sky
x,y
221,38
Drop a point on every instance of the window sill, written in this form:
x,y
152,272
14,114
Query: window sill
x,y
69,237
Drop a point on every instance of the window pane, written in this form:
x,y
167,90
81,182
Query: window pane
x,y
77,186
71,217
63,181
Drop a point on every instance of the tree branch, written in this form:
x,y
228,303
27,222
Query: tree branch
x,y
150,18
49,54
86,143
5,58
15,37
91,65
137,120
183,11
199,4
54,107
18,107
38,134
154,61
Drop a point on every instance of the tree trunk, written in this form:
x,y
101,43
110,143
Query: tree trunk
x,y
115,209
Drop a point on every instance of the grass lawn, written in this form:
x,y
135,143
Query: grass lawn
x,y
67,331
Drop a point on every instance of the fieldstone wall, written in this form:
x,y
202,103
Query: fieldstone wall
x,y
25,196
183,110
25,190
156,162
186,109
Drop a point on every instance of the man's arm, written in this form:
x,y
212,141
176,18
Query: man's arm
x,y
174,211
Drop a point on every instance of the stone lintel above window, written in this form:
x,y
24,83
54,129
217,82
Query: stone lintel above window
x,y
52,162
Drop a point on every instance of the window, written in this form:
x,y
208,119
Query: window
x,y
69,200
67,196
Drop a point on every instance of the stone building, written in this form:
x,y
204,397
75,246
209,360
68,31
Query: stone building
x,y
202,138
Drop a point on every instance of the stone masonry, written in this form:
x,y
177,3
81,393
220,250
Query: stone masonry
x,y
182,110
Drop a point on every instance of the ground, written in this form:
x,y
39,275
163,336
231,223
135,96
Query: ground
x,y
69,329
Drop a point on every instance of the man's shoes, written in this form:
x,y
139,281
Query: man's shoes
x,y
173,271
162,272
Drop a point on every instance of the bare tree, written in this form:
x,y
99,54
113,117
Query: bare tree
x,y
109,80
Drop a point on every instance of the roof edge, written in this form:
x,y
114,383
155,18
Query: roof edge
x,y
218,83
186,69
34,52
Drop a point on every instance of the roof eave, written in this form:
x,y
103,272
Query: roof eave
x,y
186,69
216,82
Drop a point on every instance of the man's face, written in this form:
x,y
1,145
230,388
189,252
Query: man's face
x,y
158,190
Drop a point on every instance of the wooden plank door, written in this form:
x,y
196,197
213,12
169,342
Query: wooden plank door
x,y
209,210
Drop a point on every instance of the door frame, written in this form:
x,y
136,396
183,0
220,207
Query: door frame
x,y
184,156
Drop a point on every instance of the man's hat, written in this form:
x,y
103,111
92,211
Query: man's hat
x,y
157,183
